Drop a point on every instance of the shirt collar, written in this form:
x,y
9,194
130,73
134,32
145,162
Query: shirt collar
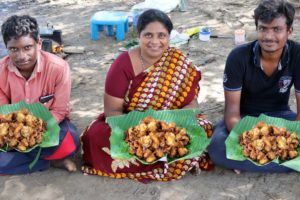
x,y
38,67
283,60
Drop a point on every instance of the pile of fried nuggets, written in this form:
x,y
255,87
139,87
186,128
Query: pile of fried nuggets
x,y
265,142
21,130
152,139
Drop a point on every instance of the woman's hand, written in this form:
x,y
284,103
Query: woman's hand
x,y
112,105
193,104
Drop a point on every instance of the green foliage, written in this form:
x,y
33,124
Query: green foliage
x,y
205,29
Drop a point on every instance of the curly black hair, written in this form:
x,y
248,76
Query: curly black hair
x,y
153,15
18,26
268,10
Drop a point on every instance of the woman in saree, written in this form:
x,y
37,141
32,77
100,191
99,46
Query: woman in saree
x,y
152,75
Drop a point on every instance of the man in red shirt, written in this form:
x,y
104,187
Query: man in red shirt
x,y
30,74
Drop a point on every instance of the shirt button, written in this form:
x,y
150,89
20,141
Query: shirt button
x,y
27,100
26,83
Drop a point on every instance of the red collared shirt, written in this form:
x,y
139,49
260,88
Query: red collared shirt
x,y
51,75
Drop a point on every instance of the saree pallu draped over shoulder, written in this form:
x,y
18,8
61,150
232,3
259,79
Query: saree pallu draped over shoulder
x,y
171,83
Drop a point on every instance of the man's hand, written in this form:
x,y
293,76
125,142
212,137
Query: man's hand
x,y
232,108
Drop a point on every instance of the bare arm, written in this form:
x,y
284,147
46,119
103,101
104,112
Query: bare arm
x,y
193,104
232,108
60,106
113,105
298,106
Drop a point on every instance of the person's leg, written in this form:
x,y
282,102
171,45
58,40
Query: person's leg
x,y
288,114
217,152
68,146
14,162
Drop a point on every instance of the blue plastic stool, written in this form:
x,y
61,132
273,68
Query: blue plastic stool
x,y
109,19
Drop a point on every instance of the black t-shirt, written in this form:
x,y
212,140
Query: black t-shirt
x,y
260,93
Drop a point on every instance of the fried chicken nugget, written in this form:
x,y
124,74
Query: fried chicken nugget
x,y
4,129
170,139
283,155
159,153
12,142
281,142
32,141
185,139
39,138
139,151
271,155
293,154
263,160
8,117
148,119
258,144
253,155
276,130
21,147
172,125
26,131
151,158
147,153
1,141
145,141
182,151
24,142
246,152
18,128
261,124
152,126
30,120
173,152
260,155
267,143
164,126
293,135
265,130
155,140
141,130
25,111
2,118
255,133
20,117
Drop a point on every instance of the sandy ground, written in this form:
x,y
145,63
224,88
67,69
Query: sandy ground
x,y
88,76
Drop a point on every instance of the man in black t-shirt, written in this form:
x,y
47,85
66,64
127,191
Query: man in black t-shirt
x,y
257,79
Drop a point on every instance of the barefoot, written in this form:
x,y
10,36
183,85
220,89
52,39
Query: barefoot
x,y
196,170
66,164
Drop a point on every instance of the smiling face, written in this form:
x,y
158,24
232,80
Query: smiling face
x,y
273,36
23,52
154,40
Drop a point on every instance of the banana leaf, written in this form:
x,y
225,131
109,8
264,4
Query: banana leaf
x,y
234,150
50,136
183,118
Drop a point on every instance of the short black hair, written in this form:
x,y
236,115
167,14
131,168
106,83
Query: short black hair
x,y
18,26
268,10
153,15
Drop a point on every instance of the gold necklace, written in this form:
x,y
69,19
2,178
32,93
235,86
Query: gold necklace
x,y
142,61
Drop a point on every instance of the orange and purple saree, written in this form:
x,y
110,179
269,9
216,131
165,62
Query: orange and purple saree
x,y
171,83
